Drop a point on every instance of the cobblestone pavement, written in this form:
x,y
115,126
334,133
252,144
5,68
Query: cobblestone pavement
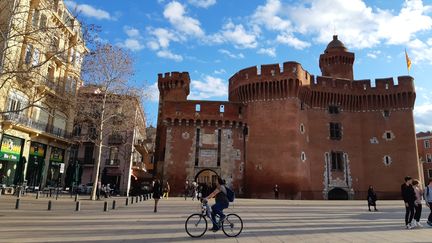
x,y
264,221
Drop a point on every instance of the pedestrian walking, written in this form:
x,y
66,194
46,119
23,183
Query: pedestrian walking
x,y
409,197
186,189
194,190
166,190
157,193
98,189
428,199
417,203
276,191
372,198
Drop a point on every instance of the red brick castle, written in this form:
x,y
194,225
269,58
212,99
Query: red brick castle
x,y
324,137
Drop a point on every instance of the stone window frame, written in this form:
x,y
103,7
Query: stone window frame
x,y
428,158
302,128
303,156
426,143
386,137
430,173
387,160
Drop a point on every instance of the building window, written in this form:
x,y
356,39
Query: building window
x,y
240,110
428,158
28,54
302,106
337,163
88,154
36,55
35,19
197,108
430,174
335,131
388,135
272,73
77,130
386,113
387,160
303,156
221,108
302,128
426,144
43,22
333,109
113,155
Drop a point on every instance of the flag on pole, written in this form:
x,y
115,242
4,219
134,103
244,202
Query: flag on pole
x,y
408,61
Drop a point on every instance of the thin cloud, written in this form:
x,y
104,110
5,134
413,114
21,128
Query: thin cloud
x,y
89,11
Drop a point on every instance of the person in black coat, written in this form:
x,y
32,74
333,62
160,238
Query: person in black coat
x,y
372,198
409,197
157,192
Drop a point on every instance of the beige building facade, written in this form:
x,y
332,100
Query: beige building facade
x,y
41,52
123,139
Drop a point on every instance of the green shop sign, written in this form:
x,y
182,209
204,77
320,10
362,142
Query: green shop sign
x,y
37,149
57,155
10,148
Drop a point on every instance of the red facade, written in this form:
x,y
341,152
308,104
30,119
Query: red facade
x,y
324,137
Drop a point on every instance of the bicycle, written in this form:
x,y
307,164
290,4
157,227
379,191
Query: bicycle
x,y
196,224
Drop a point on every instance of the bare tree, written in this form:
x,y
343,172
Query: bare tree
x,y
106,101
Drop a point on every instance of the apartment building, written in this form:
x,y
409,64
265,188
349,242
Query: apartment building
x,y
424,144
41,51
123,139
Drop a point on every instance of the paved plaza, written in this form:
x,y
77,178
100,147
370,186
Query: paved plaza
x,y
264,221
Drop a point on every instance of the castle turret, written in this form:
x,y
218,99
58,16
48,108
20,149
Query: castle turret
x,y
337,61
174,86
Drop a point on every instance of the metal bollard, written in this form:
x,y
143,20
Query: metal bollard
x,y
140,197
57,195
76,197
114,205
105,206
37,194
49,205
78,206
136,199
131,200
17,203
127,201
50,193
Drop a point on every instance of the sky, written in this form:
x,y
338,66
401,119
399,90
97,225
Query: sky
x,y
213,39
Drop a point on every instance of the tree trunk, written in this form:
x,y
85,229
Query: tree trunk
x,y
99,153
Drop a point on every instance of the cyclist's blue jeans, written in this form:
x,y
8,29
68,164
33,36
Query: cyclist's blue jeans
x,y
218,209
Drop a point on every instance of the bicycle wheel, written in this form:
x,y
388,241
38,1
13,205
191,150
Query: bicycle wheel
x,y
196,225
232,226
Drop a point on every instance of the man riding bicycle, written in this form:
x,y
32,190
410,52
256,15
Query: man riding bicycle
x,y
221,202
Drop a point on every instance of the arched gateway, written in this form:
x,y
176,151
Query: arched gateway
x,y
337,194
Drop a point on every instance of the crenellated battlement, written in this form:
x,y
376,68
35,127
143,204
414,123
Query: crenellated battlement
x,y
268,72
385,85
174,85
266,82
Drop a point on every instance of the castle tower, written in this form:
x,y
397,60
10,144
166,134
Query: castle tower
x,y
337,61
173,86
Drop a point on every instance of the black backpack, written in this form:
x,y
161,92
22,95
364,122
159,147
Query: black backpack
x,y
230,194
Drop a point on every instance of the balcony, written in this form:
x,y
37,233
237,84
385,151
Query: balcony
x,y
17,118
115,139
112,162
